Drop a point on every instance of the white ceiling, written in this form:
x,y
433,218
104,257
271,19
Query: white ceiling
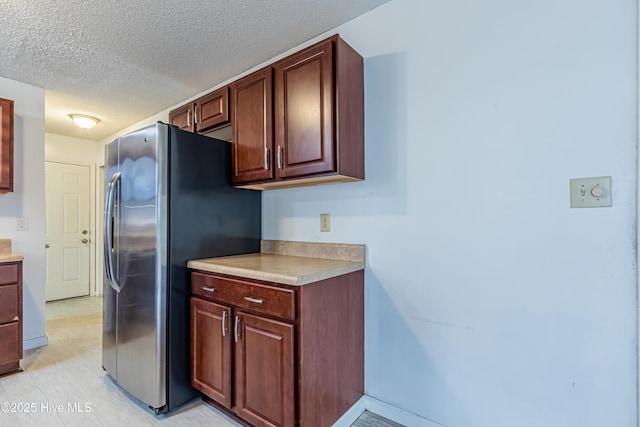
x,y
123,61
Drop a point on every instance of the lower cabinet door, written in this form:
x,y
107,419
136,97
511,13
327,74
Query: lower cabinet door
x,y
264,371
211,350
10,342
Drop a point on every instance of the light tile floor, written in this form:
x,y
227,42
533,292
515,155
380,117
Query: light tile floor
x,y
63,384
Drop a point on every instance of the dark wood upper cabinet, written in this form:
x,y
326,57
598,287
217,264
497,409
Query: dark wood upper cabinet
x,y
252,151
182,117
204,114
6,146
318,120
212,110
304,112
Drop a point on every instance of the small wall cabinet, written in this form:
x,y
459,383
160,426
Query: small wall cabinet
x,y
6,145
10,317
317,120
278,355
204,114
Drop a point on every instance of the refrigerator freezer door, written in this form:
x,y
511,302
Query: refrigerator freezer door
x,y
138,236
109,300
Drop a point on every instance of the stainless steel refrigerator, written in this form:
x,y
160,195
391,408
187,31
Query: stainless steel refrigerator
x,y
168,199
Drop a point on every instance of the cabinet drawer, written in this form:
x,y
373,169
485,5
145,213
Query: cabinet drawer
x,y
10,343
261,298
8,273
8,303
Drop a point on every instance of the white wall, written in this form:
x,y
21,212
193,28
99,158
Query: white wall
x,y
489,301
67,149
27,200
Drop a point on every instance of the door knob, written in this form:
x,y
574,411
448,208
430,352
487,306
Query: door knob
x,y
84,231
46,246
84,240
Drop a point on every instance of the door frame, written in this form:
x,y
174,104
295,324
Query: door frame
x,y
93,273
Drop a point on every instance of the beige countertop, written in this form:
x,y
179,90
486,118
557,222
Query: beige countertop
x,y
319,261
5,252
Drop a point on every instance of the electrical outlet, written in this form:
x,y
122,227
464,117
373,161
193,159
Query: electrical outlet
x,y
22,224
325,222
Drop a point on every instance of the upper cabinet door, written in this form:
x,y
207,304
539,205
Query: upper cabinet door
x,y
212,110
304,105
6,145
252,150
182,117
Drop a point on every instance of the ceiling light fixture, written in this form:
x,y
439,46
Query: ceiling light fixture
x,y
83,121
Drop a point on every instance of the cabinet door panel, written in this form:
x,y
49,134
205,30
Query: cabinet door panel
x,y
9,273
182,117
211,350
252,149
304,121
264,386
10,342
6,145
212,110
9,301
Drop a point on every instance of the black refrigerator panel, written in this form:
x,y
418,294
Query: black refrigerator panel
x,y
207,218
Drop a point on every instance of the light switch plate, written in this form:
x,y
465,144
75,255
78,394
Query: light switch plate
x,y
591,192
22,224
325,222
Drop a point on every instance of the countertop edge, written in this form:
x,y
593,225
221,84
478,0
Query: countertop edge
x,y
10,258
275,277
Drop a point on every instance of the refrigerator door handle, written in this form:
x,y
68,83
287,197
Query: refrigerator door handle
x,y
108,231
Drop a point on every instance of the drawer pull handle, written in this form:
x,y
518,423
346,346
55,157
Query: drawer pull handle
x,y
224,329
208,289
256,300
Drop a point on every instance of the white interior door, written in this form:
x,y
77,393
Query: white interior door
x,y
67,189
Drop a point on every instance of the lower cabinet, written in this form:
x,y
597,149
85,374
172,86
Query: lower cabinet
x,y
275,355
211,350
10,317
264,378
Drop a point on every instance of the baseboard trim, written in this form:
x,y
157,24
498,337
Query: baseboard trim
x,y
352,413
398,415
35,343
383,409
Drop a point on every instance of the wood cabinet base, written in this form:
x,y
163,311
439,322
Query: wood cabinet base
x,y
10,368
10,317
228,412
278,365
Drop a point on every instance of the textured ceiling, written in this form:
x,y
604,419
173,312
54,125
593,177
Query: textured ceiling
x,y
123,61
